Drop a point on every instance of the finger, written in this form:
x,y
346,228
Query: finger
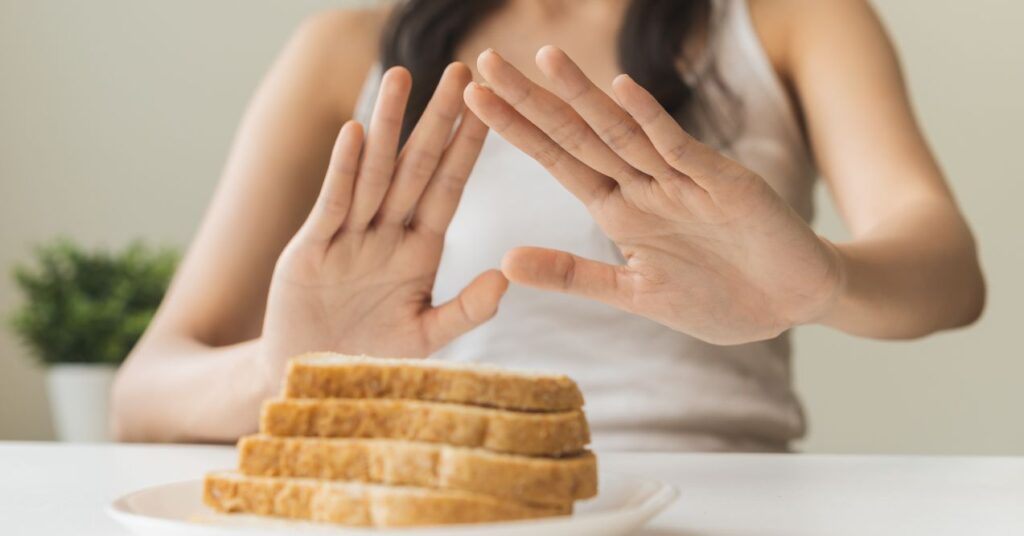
x,y
554,117
476,304
421,154
613,125
679,149
378,164
559,271
585,183
335,199
440,199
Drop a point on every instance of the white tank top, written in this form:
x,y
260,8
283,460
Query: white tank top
x,y
646,386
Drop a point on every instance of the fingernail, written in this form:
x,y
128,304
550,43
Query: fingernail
x,y
623,78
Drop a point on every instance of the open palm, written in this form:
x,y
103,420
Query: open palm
x,y
358,277
710,249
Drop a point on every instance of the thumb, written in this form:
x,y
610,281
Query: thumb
x,y
550,269
476,304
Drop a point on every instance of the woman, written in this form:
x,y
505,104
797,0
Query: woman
x,y
668,272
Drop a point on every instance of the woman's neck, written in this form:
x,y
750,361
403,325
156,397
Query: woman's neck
x,y
549,10
587,30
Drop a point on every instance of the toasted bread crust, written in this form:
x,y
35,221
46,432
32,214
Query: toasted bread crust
x,y
336,376
517,478
359,504
531,434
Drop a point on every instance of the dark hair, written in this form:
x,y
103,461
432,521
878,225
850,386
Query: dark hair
x,y
422,36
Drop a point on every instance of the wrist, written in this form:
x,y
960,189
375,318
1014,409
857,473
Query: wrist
x,y
270,370
838,295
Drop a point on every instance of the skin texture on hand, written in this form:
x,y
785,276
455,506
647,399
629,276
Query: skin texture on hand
x,y
358,276
710,249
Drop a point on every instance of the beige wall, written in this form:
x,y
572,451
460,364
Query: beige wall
x,y
115,117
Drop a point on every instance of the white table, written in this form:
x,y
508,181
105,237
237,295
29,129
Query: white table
x,y
52,489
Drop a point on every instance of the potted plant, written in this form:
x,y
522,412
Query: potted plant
x,y
83,313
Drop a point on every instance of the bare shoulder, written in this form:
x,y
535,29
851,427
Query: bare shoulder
x,y
339,46
351,27
787,27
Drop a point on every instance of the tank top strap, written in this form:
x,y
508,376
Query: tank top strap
x,y
363,110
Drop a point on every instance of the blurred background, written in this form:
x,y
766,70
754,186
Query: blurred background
x,y
116,117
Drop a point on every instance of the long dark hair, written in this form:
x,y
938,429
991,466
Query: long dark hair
x,y
422,35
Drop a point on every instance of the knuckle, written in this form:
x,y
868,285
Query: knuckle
x,y
548,155
473,136
390,119
578,93
444,111
619,134
333,204
465,312
521,96
570,134
476,141
422,161
678,153
346,168
450,183
630,174
566,266
374,167
650,115
504,119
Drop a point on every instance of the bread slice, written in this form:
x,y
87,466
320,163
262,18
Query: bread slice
x,y
533,434
326,375
517,478
357,504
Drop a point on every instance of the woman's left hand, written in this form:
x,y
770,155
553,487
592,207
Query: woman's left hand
x,y
711,250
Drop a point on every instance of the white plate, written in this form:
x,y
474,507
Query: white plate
x,y
623,505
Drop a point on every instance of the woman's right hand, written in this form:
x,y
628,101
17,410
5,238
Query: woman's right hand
x,y
358,276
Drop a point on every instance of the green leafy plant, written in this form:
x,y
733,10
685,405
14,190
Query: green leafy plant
x,y
89,306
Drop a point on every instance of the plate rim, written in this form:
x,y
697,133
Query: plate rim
x,y
663,495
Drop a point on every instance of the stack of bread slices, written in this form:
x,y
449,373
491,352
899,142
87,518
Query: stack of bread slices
x,y
385,442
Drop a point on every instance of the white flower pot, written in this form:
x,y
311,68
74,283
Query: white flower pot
x,y
80,401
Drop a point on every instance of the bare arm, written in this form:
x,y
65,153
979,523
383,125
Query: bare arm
x,y
711,250
911,267
296,258
192,377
